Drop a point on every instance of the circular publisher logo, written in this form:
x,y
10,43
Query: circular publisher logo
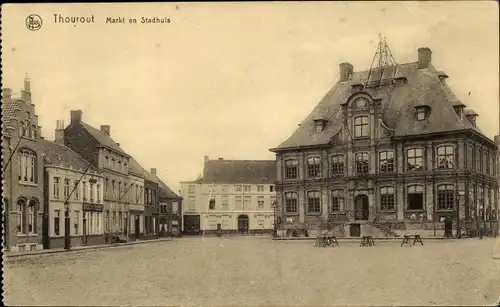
x,y
34,22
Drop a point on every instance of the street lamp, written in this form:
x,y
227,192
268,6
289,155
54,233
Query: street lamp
x,y
275,229
67,239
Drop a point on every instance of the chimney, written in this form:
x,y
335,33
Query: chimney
x,y
117,144
424,57
106,129
59,135
206,158
76,116
220,159
346,70
6,94
497,139
26,92
153,171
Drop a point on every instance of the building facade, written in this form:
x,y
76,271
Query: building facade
x,y
22,168
69,177
388,147
233,196
122,189
151,204
170,210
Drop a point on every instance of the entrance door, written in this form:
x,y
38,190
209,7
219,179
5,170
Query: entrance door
x,y
355,230
243,224
362,211
137,229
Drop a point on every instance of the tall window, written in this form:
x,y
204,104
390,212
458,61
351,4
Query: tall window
x,y
22,129
120,191
260,202
291,202
470,157
247,202
313,167
106,162
66,188
421,113
56,187
120,220
260,188
386,160
446,197
485,163
91,192
191,203
238,203
106,182
57,222
415,159
31,218
191,188
291,167
27,166
362,163
247,188
76,222
478,160
415,197
337,200
225,202
84,186
480,201
387,198
237,187
314,201
175,207
98,193
20,212
337,165
361,126
77,190
446,157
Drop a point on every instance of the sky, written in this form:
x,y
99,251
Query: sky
x,y
231,80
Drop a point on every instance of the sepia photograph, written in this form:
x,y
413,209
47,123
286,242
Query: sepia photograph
x,y
251,153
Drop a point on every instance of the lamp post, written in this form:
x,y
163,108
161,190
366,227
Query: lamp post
x,y
275,227
67,239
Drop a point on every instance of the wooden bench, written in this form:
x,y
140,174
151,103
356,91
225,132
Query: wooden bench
x,y
325,241
367,241
407,239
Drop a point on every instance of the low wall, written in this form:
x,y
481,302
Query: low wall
x,y
77,241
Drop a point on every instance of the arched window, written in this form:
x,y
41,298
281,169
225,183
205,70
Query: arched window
x,y
446,157
387,198
446,196
361,127
21,215
291,202
32,133
313,167
21,129
27,166
314,201
291,169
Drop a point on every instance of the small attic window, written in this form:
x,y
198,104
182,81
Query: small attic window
x,y
422,112
460,111
319,125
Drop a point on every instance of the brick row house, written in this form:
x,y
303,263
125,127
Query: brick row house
x,y
169,221
22,168
391,146
69,177
123,187
151,204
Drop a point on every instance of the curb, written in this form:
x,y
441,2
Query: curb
x,y
358,239
81,249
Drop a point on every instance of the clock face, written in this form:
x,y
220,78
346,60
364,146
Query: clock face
x,y
361,102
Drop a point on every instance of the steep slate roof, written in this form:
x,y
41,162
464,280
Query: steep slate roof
x,y
103,138
60,155
136,169
9,108
239,171
423,87
165,191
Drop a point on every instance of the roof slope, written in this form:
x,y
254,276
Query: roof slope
x,y
165,191
103,138
60,155
9,108
136,169
423,87
239,171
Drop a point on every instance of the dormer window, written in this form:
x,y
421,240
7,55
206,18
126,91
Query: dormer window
x,y
422,112
319,125
471,116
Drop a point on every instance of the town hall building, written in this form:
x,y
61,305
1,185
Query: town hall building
x,y
390,148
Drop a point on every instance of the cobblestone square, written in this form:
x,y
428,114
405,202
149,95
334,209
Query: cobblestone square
x,y
256,271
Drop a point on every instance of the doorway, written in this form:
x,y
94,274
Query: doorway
x,y
361,208
355,230
137,226
243,224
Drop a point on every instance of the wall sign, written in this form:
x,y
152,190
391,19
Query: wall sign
x,y
93,207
